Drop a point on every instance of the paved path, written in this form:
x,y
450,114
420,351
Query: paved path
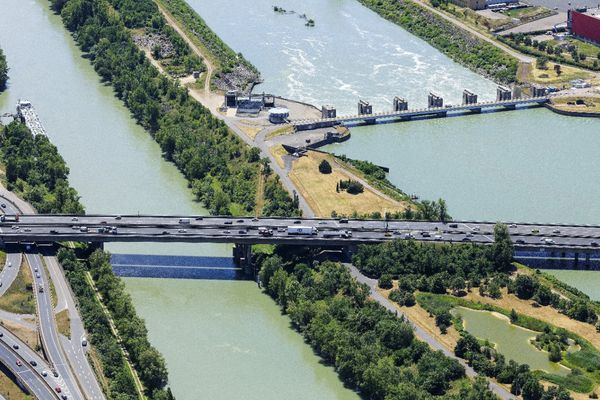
x,y
421,333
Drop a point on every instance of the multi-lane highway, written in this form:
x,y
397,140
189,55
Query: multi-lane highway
x,y
48,329
111,228
28,366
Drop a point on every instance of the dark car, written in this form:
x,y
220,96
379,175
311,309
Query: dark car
x,y
520,241
33,363
228,222
242,232
594,244
239,221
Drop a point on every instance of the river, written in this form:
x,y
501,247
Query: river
x,y
503,166
221,339
227,333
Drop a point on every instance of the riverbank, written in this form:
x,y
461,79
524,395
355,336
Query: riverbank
x,y
576,106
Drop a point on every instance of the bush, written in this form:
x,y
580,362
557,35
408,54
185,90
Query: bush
x,y
525,286
324,167
385,281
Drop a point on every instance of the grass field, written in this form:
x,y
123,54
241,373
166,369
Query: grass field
x,y
64,323
10,390
550,77
590,104
19,297
319,189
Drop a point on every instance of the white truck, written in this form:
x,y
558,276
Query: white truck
x,y
302,230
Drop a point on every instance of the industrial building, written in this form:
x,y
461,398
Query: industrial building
x,y
472,4
585,24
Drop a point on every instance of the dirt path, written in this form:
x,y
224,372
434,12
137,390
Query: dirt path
x,y
209,66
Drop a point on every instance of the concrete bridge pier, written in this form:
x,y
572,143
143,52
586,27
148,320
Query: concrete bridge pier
x,y
242,258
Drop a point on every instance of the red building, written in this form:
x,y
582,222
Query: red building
x,y
585,24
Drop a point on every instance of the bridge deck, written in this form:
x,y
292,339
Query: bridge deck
x,y
408,114
99,228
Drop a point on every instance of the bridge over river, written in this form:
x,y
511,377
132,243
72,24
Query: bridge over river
x,y
535,241
406,115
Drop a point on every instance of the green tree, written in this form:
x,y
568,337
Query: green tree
x,y
525,286
325,167
502,248
385,281
532,389
3,71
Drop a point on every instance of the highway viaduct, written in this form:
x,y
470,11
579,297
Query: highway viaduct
x,y
553,239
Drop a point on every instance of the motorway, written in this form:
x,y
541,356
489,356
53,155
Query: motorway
x,y
75,375
112,228
31,376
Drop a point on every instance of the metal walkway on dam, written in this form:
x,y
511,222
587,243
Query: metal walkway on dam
x,y
406,115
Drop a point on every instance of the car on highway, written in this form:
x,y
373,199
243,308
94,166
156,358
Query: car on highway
x,y
437,237
297,222
512,226
425,234
476,228
535,231
16,346
35,269
19,363
556,231
228,222
74,219
453,225
15,227
254,219
548,240
118,217
53,231
520,241
3,205
242,232
55,374
9,264
33,363
322,222
164,232
239,221
594,244
182,231
83,342
408,235
44,373
226,232
58,389
37,275
466,239
343,221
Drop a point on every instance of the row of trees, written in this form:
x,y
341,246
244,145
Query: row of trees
x,y
372,350
456,43
529,287
204,149
437,264
3,70
150,365
36,171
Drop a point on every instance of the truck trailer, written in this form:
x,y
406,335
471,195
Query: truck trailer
x,y
302,230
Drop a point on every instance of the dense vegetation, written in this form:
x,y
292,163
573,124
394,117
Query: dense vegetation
x,y
208,154
372,350
456,43
435,268
167,46
232,66
148,362
3,70
36,172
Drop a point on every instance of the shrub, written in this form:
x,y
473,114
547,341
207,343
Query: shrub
x,y
325,167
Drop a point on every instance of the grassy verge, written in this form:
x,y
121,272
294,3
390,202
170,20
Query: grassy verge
x,y
64,323
9,389
579,104
19,297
